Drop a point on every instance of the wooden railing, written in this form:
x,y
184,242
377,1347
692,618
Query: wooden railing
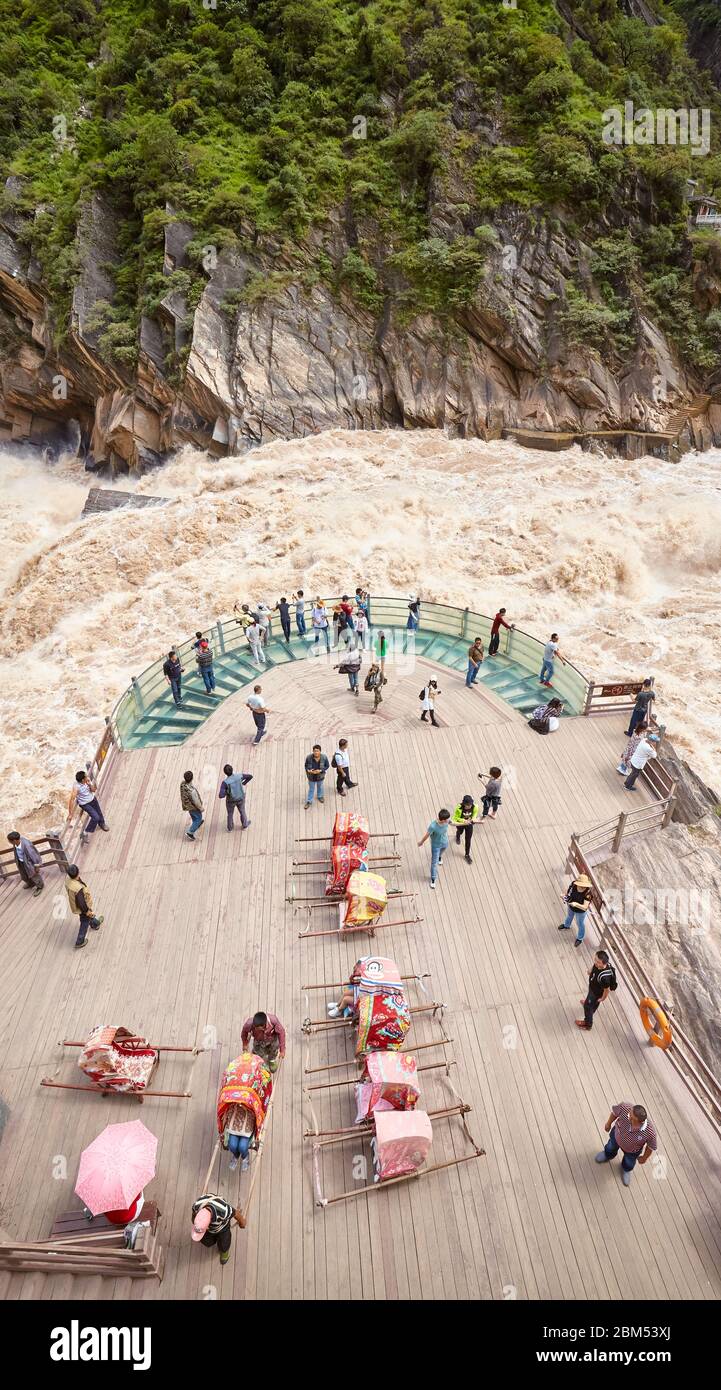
x,y
607,838
50,848
97,769
695,1073
101,1254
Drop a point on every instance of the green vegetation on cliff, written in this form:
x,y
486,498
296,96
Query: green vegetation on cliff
x,y
418,123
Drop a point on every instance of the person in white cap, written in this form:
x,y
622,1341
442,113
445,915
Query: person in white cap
x,y
211,1217
642,754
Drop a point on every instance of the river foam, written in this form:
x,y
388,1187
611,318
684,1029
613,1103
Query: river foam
x,y
622,558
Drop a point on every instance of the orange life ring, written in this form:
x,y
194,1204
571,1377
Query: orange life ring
x,y
656,1023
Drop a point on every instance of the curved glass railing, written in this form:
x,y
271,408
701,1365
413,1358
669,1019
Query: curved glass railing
x,y
458,625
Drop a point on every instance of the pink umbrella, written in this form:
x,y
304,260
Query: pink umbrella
x,y
116,1166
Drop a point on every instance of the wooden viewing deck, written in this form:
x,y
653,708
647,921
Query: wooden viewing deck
x,y
199,935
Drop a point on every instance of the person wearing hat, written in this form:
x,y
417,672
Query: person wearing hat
x,y
464,818
211,1217
81,904
27,862
428,697
642,754
578,897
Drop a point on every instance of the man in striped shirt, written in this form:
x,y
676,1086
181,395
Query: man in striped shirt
x,y
630,1130
211,1217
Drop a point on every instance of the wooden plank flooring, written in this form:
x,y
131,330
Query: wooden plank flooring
x,y
198,935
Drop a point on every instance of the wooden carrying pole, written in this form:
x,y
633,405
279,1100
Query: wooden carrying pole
x,y
240,1215
157,1047
370,927
111,1090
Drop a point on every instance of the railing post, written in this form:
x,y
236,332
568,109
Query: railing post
x,y
589,697
137,693
58,849
669,809
464,624
221,639
618,836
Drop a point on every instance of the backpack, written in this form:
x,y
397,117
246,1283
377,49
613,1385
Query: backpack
x,y
614,982
372,680
333,762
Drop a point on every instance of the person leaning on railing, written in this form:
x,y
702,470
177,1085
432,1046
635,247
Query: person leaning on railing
x,y
27,861
83,797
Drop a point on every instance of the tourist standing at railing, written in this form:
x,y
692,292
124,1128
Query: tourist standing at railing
x,y
414,613
362,598
640,756
244,616
254,634
172,670
266,627
319,621
83,796
192,802
475,658
259,710
498,622
361,627
601,980
27,862
641,712
204,661
551,651
579,898
630,748
81,904
630,1130
283,608
299,602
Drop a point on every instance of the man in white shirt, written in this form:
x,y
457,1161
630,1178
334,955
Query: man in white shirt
x,y
264,613
341,763
254,633
550,652
84,798
319,619
642,753
258,708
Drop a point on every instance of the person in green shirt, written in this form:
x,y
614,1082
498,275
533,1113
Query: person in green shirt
x,y
464,818
437,833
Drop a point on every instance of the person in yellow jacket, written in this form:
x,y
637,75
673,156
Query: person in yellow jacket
x,y
464,818
81,904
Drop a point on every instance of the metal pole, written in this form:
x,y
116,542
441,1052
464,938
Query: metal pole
x,y
221,639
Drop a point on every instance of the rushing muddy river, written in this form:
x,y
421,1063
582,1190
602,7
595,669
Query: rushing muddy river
x,y
622,559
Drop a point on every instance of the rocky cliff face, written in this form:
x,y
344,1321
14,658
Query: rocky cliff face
x,y
294,358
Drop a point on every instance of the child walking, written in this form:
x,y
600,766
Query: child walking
x,y
492,795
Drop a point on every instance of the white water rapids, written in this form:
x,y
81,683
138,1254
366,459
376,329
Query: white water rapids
x,y
622,559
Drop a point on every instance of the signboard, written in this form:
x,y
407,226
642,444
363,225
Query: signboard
x,y
623,688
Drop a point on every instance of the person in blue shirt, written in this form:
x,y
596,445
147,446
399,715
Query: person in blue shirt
x,y
437,833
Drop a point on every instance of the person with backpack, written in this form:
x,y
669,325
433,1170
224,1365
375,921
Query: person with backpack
x,y
601,981
173,670
204,661
233,789
579,898
428,702
350,667
546,718
374,681
341,762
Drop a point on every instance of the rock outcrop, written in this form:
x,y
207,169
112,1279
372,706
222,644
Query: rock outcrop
x,y
267,353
